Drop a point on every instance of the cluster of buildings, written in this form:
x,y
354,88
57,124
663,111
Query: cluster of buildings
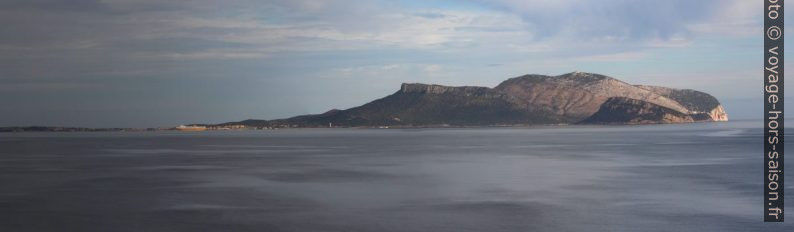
x,y
219,127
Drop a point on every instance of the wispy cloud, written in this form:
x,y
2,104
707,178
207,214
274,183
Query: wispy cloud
x,y
616,57
346,44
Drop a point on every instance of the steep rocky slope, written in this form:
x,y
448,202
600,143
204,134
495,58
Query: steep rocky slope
x,y
695,101
577,95
621,110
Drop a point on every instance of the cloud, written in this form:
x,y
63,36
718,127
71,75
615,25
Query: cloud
x,y
307,25
733,18
87,32
625,56
626,20
433,68
49,45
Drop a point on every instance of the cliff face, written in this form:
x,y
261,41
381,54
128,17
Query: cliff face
x,y
695,101
577,95
407,88
718,114
621,110
526,100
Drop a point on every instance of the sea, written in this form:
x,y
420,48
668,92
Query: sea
x,y
683,177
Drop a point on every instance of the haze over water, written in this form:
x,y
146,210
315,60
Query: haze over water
x,y
687,177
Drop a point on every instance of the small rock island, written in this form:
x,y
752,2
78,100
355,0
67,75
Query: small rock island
x,y
572,98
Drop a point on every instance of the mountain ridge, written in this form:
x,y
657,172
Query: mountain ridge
x,y
532,99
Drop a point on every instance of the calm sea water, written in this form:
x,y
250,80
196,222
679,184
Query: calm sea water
x,y
692,177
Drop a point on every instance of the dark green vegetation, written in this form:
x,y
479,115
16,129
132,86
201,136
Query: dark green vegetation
x,y
691,99
619,110
414,105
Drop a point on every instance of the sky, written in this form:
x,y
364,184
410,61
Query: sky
x,y
151,63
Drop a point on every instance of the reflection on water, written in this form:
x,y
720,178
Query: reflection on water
x,y
694,177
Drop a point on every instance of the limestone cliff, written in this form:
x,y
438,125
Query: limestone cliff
x,y
695,101
577,95
621,110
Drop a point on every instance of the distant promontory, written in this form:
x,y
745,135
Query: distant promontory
x,y
572,98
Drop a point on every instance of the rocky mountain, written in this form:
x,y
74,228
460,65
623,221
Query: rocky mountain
x,y
621,110
577,95
696,101
570,98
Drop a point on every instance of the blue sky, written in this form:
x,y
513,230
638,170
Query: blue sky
x,y
148,63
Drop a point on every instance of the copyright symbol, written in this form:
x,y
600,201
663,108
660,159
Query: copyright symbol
x,y
773,33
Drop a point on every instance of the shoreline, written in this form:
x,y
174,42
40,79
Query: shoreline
x,y
34,129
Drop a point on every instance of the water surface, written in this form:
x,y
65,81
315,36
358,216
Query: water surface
x,y
690,177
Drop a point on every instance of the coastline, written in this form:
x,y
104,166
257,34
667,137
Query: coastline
x,y
35,129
